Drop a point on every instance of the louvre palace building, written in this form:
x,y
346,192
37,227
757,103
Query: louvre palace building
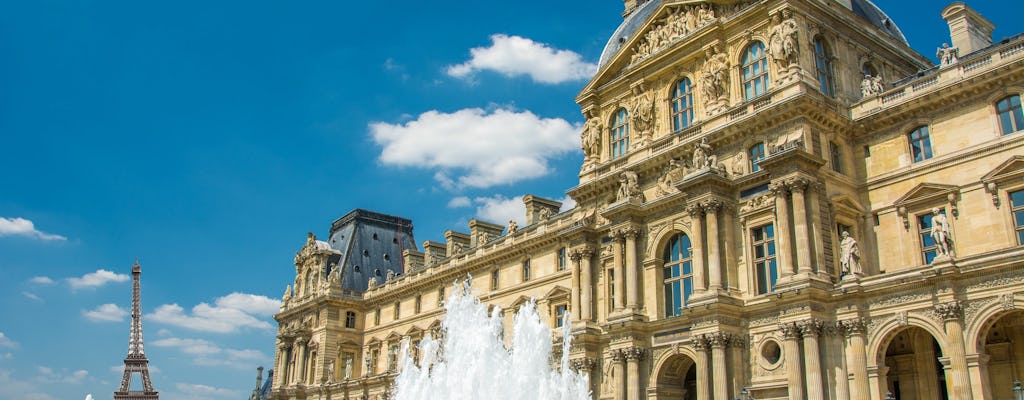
x,y
778,199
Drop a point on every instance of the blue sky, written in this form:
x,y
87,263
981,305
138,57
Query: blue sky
x,y
206,138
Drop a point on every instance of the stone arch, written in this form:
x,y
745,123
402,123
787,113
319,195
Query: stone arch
x,y
657,240
915,367
890,328
674,374
976,329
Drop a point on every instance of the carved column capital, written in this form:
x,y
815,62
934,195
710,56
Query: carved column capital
x,y
618,235
631,232
701,342
634,353
797,184
587,252
949,311
811,327
719,339
853,327
585,364
790,330
778,188
695,210
576,255
711,206
618,355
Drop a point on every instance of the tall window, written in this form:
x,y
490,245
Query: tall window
x,y
562,255
374,356
1010,117
440,296
376,317
1017,207
677,274
682,105
526,270
494,280
611,288
755,153
398,310
765,266
755,71
350,319
620,133
924,230
823,63
560,314
836,156
868,69
920,144
416,304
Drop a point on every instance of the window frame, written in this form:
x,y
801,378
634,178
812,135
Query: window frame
x,y
823,66
527,272
1013,115
618,135
768,262
495,275
755,158
928,247
562,258
564,308
754,72
674,273
350,319
682,104
1015,210
920,137
836,156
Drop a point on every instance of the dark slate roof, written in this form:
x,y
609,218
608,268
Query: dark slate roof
x,y
863,8
371,244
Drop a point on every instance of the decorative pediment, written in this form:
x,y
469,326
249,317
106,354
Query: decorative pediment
x,y
1009,170
847,206
556,292
519,301
413,331
924,195
393,337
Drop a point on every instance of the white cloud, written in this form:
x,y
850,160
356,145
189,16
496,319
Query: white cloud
x,y
567,203
13,388
96,279
23,227
477,148
228,314
515,56
48,375
208,353
106,313
499,209
41,280
459,202
7,342
31,296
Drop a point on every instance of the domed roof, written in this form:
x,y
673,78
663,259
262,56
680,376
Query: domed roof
x,y
863,8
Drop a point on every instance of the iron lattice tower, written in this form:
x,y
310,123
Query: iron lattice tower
x,y
136,361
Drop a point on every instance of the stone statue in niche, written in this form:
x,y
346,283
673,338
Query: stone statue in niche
x,y
590,139
850,256
673,173
782,40
714,78
940,234
702,157
348,367
642,111
947,55
329,378
871,86
629,187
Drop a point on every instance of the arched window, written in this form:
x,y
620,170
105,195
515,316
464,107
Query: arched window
x,y
823,63
755,71
755,153
1010,118
620,133
868,69
682,105
920,143
677,274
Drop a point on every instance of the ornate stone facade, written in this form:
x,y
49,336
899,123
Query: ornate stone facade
x,y
862,239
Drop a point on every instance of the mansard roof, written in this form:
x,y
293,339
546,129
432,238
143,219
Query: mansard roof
x,y
371,245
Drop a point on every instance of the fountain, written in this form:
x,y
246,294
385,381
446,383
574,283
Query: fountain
x,y
470,360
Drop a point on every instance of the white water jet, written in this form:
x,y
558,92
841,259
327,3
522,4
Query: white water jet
x,y
471,362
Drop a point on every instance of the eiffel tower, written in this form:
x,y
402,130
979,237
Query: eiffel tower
x,y
136,361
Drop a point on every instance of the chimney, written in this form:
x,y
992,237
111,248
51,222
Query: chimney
x,y
968,30
259,377
538,208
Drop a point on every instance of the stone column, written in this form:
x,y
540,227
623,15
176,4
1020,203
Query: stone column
x,y
617,262
282,365
803,240
586,284
856,358
812,358
951,313
619,365
721,375
737,367
782,231
585,366
714,254
924,364
299,374
835,360
814,191
632,269
574,294
701,344
633,357
697,253
977,368
794,372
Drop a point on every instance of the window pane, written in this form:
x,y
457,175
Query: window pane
x,y
1018,218
687,288
1017,198
925,222
770,230
1020,237
759,252
677,293
771,248
687,268
762,280
773,271
929,256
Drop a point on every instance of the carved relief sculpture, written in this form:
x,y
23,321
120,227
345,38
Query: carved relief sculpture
x,y
783,45
702,157
714,79
871,86
850,258
947,55
590,140
673,173
642,112
629,187
940,234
